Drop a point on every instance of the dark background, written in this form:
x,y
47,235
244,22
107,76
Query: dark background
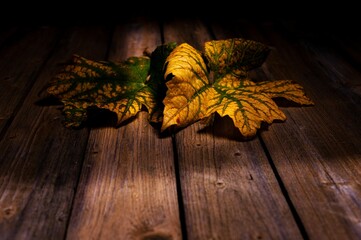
x,y
90,11
341,16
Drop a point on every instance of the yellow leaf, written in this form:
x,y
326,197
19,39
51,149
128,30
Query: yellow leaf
x,y
247,106
187,87
285,89
200,85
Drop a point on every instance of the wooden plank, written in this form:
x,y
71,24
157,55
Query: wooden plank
x,y
40,160
338,53
127,188
19,64
229,189
317,151
351,46
342,38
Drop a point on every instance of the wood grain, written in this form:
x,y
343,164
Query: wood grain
x,y
229,189
298,179
317,150
127,187
338,55
40,159
20,63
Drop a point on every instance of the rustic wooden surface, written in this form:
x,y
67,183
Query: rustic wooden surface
x,y
299,179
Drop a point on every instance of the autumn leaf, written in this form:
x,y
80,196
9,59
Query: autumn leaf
x,y
178,85
234,56
122,88
216,81
186,99
118,87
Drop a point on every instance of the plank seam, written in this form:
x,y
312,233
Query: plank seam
x,y
284,191
106,56
181,209
30,86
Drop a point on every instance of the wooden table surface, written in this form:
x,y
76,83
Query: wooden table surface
x,y
298,179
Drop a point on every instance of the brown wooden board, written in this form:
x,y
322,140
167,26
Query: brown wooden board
x,y
127,188
40,160
229,189
317,150
19,65
297,179
339,56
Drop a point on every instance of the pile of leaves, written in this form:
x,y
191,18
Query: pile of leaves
x,y
178,85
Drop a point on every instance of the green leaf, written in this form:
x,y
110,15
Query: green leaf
x,y
122,88
156,81
118,87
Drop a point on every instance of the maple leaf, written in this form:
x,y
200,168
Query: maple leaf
x,y
216,81
178,85
122,87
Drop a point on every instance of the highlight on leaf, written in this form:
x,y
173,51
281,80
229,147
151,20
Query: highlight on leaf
x,y
185,101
